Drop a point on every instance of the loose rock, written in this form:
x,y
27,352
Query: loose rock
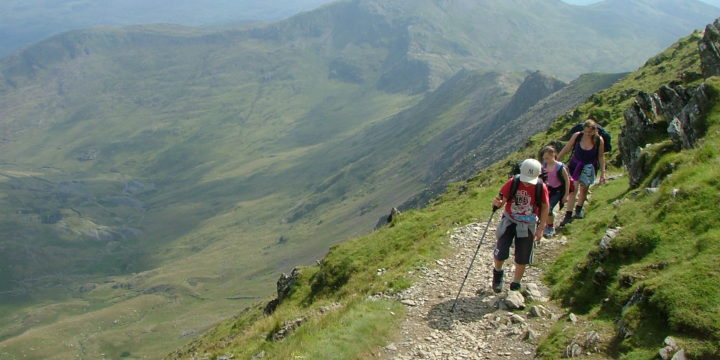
x,y
680,355
532,293
530,335
572,318
517,319
391,347
572,351
514,300
538,311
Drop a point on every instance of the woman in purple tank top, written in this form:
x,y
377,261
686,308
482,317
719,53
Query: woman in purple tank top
x,y
588,154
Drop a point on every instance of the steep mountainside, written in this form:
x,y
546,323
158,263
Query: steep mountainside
x,y
639,272
480,145
165,175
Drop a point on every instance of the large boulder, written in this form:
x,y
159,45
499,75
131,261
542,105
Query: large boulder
x,y
285,284
284,288
388,219
710,50
686,125
673,110
640,121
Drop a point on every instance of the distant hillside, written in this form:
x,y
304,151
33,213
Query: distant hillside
x,y
166,175
715,3
23,23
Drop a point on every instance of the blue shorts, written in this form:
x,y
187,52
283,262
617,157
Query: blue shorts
x,y
587,176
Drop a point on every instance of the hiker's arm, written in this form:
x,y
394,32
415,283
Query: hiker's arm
x,y
601,158
543,221
503,196
566,149
499,201
566,196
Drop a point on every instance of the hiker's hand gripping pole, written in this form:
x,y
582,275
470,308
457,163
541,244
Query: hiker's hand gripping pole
x,y
494,209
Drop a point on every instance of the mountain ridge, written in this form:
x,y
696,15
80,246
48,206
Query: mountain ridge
x,y
25,23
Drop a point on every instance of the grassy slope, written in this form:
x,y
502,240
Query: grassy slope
x,y
683,292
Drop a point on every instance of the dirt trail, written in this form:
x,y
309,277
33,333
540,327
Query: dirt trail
x,y
481,327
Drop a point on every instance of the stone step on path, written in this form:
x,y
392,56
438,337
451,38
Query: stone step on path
x,y
482,326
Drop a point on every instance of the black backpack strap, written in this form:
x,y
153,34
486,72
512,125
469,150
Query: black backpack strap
x,y
538,193
560,174
514,187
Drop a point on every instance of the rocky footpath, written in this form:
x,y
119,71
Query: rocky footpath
x,y
484,325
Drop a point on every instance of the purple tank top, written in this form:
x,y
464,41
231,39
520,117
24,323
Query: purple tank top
x,y
582,157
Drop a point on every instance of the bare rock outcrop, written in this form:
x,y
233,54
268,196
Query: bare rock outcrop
x,y
284,288
710,50
394,213
674,110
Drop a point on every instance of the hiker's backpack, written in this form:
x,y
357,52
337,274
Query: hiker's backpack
x,y
538,190
607,137
515,169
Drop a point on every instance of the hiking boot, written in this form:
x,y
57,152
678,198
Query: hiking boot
x,y
514,286
497,282
580,214
549,232
568,219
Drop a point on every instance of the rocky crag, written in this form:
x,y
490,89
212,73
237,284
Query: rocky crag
x,y
674,112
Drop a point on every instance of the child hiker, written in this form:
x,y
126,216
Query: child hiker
x,y
588,153
525,199
558,183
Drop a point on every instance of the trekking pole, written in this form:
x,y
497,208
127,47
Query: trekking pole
x,y
473,258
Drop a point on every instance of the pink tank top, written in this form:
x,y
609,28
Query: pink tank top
x,y
552,176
